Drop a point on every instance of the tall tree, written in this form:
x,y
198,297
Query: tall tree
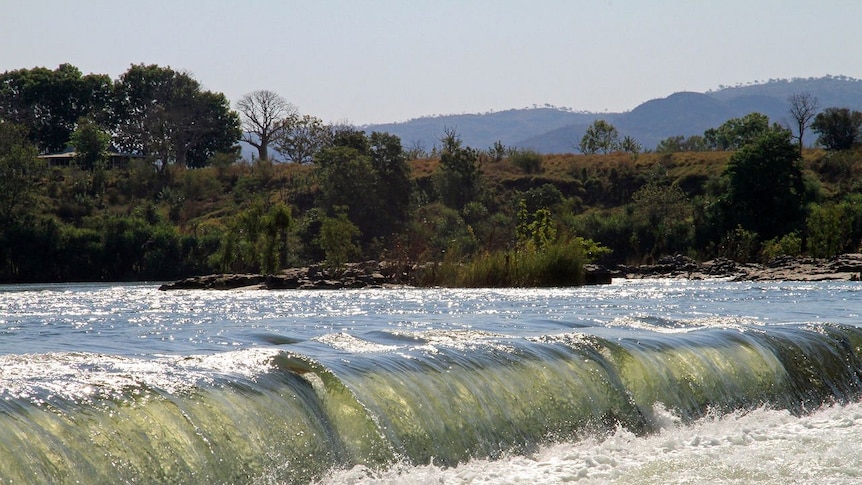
x,y
394,186
50,102
214,129
662,218
601,137
91,144
20,171
300,137
765,186
839,128
368,180
459,180
164,114
735,133
803,108
347,185
679,143
263,113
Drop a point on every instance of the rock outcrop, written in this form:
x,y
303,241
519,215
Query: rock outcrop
x,y
846,267
371,274
316,277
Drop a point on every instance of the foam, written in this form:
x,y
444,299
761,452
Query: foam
x,y
762,446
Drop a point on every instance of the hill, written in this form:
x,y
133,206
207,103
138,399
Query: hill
x,y
483,130
554,130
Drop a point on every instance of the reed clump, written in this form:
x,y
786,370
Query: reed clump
x,y
558,263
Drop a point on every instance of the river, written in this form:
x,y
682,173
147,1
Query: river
x,y
648,381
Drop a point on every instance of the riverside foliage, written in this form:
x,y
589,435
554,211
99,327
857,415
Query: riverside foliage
x,y
468,216
518,229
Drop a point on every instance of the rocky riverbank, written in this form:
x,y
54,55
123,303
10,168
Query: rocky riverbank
x,y
846,267
371,274
316,277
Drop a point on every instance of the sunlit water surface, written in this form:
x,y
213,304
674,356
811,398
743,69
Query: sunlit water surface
x,y
82,343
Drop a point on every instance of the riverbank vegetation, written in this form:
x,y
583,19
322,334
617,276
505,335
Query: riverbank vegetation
x,y
182,202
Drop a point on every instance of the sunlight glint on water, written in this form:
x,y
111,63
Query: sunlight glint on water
x,y
634,382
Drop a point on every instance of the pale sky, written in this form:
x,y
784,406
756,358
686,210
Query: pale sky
x,y
383,61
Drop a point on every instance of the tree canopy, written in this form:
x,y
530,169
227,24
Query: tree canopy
x,y
20,172
601,137
355,195
838,128
300,137
150,110
165,114
735,133
765,186
262,113
91,144
366,179
50,102
459,180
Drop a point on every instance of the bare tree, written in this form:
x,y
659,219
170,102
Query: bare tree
x,y
803,108
262,114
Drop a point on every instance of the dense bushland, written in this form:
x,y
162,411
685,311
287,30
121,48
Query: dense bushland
x,y
180,202
513,224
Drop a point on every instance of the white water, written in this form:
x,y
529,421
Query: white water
x,y
763,446
118,335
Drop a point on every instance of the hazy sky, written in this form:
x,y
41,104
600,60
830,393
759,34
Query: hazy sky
x,y
380,61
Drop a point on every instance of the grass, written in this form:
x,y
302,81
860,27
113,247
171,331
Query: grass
x,y
559,264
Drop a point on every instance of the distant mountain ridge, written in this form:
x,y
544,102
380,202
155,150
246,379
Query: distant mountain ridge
x,y
555,130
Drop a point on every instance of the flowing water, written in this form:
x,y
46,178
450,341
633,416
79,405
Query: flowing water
x,y
633,382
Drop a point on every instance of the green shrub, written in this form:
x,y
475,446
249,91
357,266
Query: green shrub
x,y
740,245
527,160
787,245
829,229
338,238
557,264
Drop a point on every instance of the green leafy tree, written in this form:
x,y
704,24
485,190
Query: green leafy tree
x,y
679,143
20,172
459,180
394,186
662,218
630,145
546,196
838,128
347,183
91,144
255,239
338,239
164,114
766,193
787,245
536,230
300,137
671,144
439,232
273,246
735,133
50,102
829,230
740,244
601,137
367,178
529,161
